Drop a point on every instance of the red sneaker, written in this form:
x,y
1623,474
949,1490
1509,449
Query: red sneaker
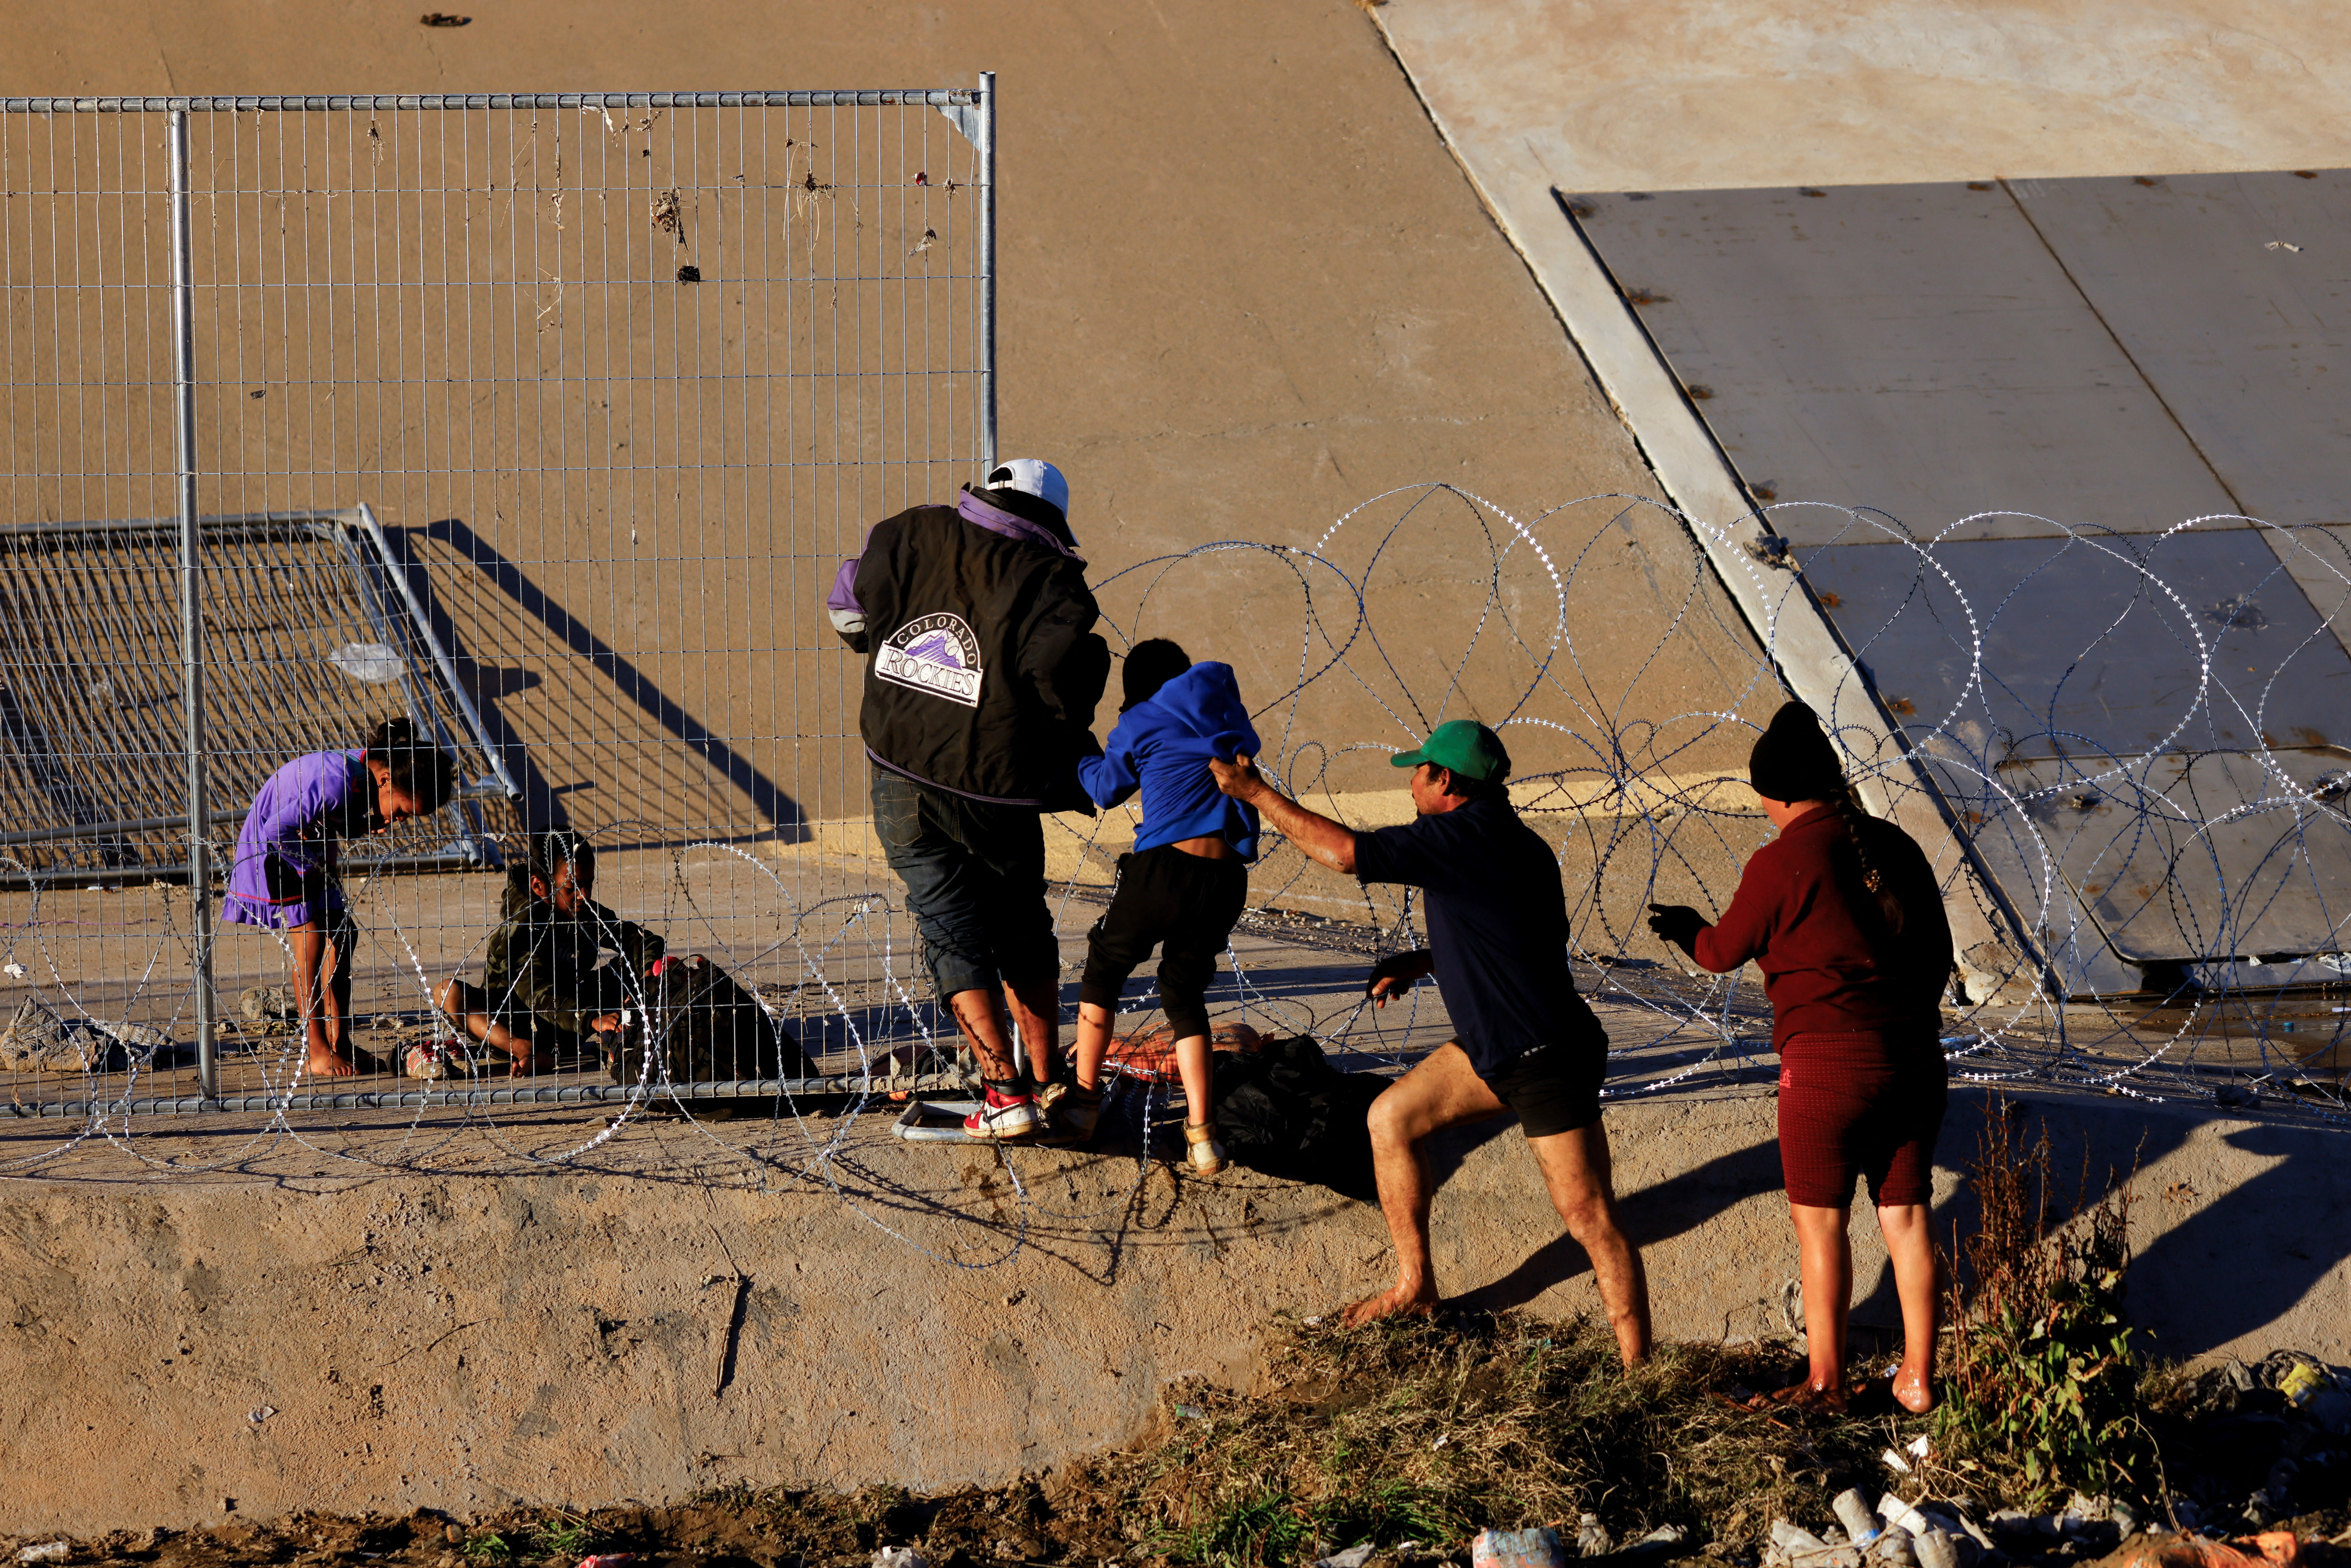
x,y
1004,1116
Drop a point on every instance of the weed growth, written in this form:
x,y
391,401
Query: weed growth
x,y
561,1534
2042,1392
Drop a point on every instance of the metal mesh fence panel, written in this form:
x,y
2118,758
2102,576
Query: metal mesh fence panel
x,y
541,421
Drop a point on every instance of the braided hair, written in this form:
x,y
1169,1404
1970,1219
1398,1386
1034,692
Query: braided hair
x,y
1794,760
1850,812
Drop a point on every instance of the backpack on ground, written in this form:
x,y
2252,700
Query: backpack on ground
x,y
703,1028
1287,1111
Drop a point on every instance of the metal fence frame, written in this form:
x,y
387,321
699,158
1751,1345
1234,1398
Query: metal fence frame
x,y
972,111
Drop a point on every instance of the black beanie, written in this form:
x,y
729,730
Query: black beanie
x,y
1793,760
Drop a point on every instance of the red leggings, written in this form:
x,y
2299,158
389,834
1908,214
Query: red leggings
x,y
1859,1105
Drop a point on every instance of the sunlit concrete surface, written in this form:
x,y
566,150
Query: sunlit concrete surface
x,y
1691,94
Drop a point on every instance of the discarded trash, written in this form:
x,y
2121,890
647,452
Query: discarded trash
x,y
2301,1383
1793,1539
898,1557
1895,1462
15,971
137,1036
1535,1548
47,1552
616,1559
1853,1511
260,1413
1591,1537
1893,1549
1356,1556
2271,1548
1191,1413
260,1004
436,1058
372,663
1918,1448
1791,1546
1900,1515
1936,1549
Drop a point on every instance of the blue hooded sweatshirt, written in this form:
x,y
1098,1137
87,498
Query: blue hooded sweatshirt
x,y
1164,744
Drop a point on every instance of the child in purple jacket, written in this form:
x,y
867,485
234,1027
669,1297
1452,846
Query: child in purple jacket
x,y
284,875
1184,885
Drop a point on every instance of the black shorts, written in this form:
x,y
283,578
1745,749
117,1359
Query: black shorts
x,y
1553,1088
1183,904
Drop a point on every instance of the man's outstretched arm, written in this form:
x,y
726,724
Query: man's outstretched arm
x,y
1331,843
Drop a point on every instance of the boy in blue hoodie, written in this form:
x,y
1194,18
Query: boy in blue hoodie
x,y
1183,887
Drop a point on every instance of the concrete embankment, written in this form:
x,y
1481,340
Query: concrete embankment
x,y
665,1314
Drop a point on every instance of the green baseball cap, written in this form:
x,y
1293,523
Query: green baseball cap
x,y
1460,746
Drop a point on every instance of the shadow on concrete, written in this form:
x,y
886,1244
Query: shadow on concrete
x,y
767,798
542,803
2237,1265
1654,1214
2254,1249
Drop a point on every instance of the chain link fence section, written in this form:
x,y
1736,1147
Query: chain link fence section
x,y
542,419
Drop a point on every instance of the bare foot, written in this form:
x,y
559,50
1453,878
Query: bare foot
x,y
327,1065
1399,1300
1810,1395
1913,1392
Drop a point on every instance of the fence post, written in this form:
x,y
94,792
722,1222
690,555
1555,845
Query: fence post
x,y
987,272
192,626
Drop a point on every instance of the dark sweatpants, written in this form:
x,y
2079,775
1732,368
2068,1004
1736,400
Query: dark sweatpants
x,y
975,876
1183,904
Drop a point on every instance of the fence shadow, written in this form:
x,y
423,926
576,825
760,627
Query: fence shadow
x,y
765,796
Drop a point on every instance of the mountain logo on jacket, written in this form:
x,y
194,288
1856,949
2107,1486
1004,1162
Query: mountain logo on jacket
x,y
933,653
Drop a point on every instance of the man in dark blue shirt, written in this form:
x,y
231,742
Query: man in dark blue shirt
x,y
1524,1041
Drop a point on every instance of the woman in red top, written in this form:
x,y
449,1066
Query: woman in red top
x,y
1842,913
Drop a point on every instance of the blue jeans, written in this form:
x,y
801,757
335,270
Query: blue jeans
x,y
975,876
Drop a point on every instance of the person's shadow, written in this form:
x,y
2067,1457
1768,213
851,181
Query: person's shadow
x,y
1649,1215
2239,1263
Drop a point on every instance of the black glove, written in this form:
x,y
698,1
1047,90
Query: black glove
x,y
1403,969
1677,923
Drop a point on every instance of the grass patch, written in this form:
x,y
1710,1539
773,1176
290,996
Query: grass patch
x,y
1429,1432
564,1535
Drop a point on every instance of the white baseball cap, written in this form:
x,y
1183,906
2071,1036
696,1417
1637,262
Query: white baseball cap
x,y
1034,476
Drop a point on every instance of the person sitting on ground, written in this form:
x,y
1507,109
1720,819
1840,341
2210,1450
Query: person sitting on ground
x,y
1524,1039
1182,887
284,877
1842,913
559,968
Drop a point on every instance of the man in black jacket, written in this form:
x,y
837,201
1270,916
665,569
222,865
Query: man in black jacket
x,y
982,670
